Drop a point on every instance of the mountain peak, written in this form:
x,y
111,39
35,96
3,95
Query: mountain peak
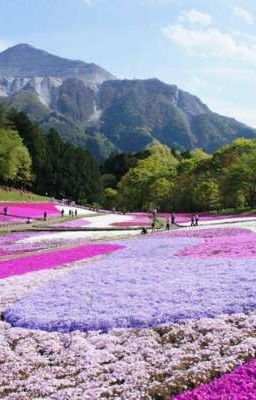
x,y
21,48
26,61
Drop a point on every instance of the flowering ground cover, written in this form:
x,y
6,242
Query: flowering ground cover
x,y
124,364
136,219
144,219
146,284
77,223
237,385
241,246
205,233
32,210
10,244
108,220
74,237
153,280
4,220
19,212
22,265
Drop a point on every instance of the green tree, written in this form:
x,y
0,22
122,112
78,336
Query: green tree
x,y
150,182
35,141
15,162
206,195
110,198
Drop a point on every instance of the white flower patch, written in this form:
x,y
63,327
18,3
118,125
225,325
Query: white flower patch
x,y
107,220
80,211
78,236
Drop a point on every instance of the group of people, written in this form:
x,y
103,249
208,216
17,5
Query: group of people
x,y
72,213
170,220
194,220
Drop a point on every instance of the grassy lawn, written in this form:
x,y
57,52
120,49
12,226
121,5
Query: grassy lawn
x,y
16,195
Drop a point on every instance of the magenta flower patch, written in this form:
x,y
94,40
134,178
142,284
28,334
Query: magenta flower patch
x,y
20,266
32,210
237,385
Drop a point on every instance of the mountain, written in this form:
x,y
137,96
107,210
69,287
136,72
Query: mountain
x,y
93,109
24,61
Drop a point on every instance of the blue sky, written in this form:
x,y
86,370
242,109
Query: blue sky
x,y
207,47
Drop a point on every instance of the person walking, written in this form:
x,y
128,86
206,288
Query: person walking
x,y
62,212
167,225
196,219
153,225
173,218
45,216
5,210
192,220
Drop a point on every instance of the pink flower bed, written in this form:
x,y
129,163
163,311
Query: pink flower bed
x,y
217,243
20,266
3,253
32,210
237,385
140,219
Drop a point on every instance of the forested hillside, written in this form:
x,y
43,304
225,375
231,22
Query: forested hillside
x,y
45,163
184,181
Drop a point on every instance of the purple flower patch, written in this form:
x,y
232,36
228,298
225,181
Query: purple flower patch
x,y
144,285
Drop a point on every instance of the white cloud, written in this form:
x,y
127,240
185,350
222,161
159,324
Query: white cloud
x,y
211,42
195,17
245,14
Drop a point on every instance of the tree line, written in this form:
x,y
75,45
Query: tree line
x,y
158,177
168,179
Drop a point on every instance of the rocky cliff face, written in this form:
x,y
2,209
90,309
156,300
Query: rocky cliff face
x,y
24,68
44,88
92,109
